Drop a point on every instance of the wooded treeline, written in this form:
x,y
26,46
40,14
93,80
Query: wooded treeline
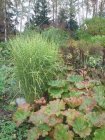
x,y
14,14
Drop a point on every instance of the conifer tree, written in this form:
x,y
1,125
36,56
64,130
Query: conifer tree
x,y
40,16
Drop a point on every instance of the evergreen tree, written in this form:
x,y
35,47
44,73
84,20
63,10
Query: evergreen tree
x,y
40,16
6,19
62,17
72,23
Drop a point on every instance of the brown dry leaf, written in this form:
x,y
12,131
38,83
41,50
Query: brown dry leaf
x,y
73,101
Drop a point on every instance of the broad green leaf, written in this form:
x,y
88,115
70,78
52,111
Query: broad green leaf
x,y
100,95
61,132
100,100
20,116
76,93
71,115
55,107
57,83
48,138
38,118
53,120
75,78
36,132
99,134
43,130
56,93
88,104
33,134
83,85
82,127
96,118
99,90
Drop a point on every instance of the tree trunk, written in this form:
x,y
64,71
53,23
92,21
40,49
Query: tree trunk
x,y
21,18
29,9
5,22
56,12
53,12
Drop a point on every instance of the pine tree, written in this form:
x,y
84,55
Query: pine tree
x,y
40,16
62,17
72,23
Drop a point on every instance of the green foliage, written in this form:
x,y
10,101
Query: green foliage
x,y
95,26
79,115
100,96
1,81
96,118
36,132
99,134
94,31
71,115
57,88
20,116
98,39
81,34
62,17
36,62
40,16
72,25
95,61
58,36
4,52
75,78
82,127
7,130
61,132
84,53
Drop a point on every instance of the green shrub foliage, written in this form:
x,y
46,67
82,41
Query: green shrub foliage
x,y
57,35
72,114
95,26
36,62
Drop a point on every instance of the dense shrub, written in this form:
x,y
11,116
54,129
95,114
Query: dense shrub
x,y
98,39
83,53
57,35
1,81
95,26
7,130
81,34
36,62
72,25
4,51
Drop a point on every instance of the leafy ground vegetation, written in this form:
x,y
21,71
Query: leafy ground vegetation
x,y
62,79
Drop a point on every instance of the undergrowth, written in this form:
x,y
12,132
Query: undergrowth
x,y
36,62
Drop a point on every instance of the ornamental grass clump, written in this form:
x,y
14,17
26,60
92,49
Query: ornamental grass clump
x,y
36,62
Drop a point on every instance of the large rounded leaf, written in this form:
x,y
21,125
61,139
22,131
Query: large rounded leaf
x,y
82,127
57,83
96,118
71,115
36,132
99,134
75,78
62,132
55,107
